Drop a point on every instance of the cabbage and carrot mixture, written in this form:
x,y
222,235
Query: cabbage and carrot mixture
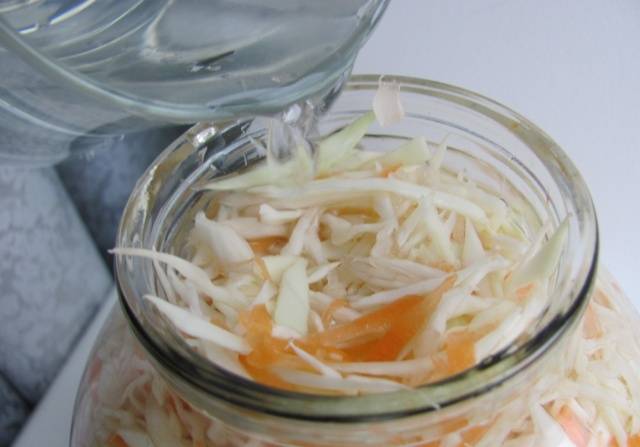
x,y
360,272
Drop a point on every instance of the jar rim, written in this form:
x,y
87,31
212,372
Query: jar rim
x,y
492,372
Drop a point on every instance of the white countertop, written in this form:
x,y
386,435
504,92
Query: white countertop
x,y
572,67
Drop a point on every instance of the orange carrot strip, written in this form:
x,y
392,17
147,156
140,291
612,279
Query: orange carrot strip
x,y
211,211
375,323
262,267
170,405
473,434
386,172
350,210
267,351
116,441
458,232
264,376
633,441
443,265
470,436
401,332
459,347
591,327
452,425
389,347
380,335
256,321
524,291
326,353
578,433
262,245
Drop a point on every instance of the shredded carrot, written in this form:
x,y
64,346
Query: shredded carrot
x,y
633,441
95,369
185,405
327,315
324,232
575,430
392,343
386,172
211,211
263,245
265,348
452,425
601,297
470,436
170,405
327,353
525,291
375,324
459,347
440,371
486,239
381,335
473,434
591,327
443,265
458,234
264,376
262,268
355,210
266,351
400,332
218,320
116,441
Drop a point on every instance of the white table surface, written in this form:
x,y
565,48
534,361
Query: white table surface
x,y
572,67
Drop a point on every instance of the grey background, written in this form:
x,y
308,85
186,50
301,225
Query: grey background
x,y
56,225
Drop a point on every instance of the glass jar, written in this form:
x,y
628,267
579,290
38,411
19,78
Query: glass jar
x,y
143,366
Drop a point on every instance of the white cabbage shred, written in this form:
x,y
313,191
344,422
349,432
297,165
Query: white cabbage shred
x,y
386,103
379,272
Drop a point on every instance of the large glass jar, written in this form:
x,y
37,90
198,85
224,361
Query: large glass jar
x,y
143,384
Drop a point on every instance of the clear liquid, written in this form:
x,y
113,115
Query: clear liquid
x,y
189,60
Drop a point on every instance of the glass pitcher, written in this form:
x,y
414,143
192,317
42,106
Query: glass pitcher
x,y
82,67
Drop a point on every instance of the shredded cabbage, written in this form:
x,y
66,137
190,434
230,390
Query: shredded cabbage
x,y
292,306
199,328
413,152
386,103
340,147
